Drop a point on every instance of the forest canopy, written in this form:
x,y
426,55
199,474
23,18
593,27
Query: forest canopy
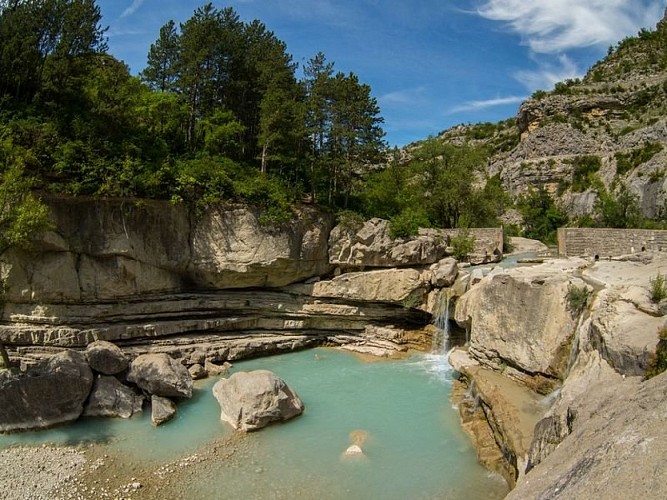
x,y
220,113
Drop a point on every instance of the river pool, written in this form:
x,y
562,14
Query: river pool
x,y
397,411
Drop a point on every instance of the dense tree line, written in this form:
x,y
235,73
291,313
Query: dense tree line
x,y
218,113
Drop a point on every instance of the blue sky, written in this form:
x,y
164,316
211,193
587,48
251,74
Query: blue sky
x,y
431,64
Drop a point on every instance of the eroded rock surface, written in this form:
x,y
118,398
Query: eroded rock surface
x,y
51,393
110,398
105,357
252,400
520,317
162,410
161,375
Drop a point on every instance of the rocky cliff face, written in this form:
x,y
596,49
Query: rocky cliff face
x,y
217,285
609,129
105,250
545,371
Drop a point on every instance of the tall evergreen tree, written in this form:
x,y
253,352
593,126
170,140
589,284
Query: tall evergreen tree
x,y
161,72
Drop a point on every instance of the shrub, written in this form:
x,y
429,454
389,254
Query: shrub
x,y
658,361
577,298
407,223
463,244
350,220
658,288
584,169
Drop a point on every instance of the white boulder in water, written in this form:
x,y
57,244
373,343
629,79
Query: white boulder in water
x,y
252,400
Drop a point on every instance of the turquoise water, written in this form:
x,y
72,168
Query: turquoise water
x,y
399,411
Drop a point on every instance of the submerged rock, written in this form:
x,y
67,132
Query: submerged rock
x,y
354,451
105,357
51,393
110,398
162,410
161,375
252,400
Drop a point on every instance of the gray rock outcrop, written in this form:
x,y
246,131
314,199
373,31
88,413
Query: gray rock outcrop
x,y
110,398
162,410
386,285
444,272
108,249
105,357
160,375
520,318
371,246
616,446
252,400
51,393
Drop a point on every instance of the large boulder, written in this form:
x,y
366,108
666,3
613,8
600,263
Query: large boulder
x,y
110,398
105,357
444,272
53,392
252,400
624,332
387,285
520,318
161,375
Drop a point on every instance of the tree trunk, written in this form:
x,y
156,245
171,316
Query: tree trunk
x,y
265,148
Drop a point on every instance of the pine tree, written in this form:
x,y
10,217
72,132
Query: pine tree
x,y
161,72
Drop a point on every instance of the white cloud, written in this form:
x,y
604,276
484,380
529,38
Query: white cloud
x,y
408,96
132,8
487,103
548,74
552,26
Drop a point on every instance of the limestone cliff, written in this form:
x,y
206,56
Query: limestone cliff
x,y
608,129
215,285
545,370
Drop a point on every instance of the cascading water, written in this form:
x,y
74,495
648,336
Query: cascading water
x,y
437,361
440,342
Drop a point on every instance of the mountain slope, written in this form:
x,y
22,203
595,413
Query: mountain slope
x,y
592,136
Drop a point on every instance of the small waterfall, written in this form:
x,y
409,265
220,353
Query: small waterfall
x,y
440,341
548,400
574,350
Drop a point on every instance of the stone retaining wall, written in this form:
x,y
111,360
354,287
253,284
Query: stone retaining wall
x,y
604,242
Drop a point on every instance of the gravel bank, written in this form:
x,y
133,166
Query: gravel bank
x,y
34,473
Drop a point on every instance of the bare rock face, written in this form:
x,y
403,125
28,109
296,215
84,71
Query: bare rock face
x,y
162,410
388,285
520,317
616,447
252,400
231,249
106,249
51,393
371,246
161,375
110,398
624,332
105,357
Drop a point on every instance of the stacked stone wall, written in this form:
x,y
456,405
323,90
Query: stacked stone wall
x,y
604,242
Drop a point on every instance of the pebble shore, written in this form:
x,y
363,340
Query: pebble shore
x,y
37,472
